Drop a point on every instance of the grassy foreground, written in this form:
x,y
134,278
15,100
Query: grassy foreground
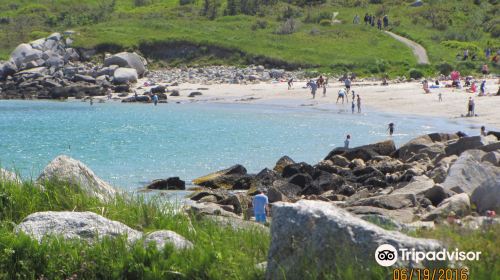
x,y
219,253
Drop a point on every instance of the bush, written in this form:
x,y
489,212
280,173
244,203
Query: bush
x,y
186,2
445,68
259,24
415,74
325,22
288,27
375,1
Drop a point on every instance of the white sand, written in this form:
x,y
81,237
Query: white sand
x,y
406,98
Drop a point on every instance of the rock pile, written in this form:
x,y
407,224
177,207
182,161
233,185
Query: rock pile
x,y
427,179
49,68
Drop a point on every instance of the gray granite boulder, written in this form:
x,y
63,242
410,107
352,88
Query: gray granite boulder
x,y
75,173
314,236
163,237
487,195
86,226
458,204
125,75
127,60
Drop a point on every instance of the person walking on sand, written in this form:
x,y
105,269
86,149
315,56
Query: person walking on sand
x,y
342,92
290,83
353,96
470,107
483,131
260,204
155,99
440,97
391,129
346,142
358,101
482,88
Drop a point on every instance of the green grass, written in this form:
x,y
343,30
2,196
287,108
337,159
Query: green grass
x,y
219,252
330,49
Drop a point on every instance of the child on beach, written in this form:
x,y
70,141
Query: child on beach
x,y
440,97
342,92
313,87
352,106
358,101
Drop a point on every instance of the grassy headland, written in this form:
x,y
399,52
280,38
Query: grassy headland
x,y
286,33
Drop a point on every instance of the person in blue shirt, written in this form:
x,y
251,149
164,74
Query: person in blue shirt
x,y
155,99
260,203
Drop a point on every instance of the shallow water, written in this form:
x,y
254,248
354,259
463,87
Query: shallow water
x,y
131,144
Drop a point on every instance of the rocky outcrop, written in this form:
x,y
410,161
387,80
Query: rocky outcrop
x,y
317,236
163,237
457,205
172,183
86,226
127,60
225,179
76,174
366,152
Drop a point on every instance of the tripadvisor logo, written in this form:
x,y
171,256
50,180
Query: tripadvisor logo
x,y
387,255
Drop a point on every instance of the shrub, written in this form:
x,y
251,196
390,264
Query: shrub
x,y
325,22
445,68
375,1
288,27
186,2
259,24
415,74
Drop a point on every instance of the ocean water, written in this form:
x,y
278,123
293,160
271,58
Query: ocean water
x,y
129,145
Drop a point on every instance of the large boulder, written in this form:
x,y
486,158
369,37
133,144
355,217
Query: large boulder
x,y
281,163
222,179
127,60
391,201
469,143
24,54
283,191
366,152
314,236
418,186
430,144
8,68
208,209
458,204
125,75
163,237
487,195
172,183
468,172
76,174
85,226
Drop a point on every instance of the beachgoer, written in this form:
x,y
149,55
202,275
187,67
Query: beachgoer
x,y
320,81
353,95
356,19
379,24
487,53
440,97
470,107
437,82
472,88
346,142
290,83
384,81
425,86
353,106
391,129
358,101
347,83
485,70
91,101
260,203
342,92
324,91
468,80
155,99
483,131
313,87
386,21
466,54
483,88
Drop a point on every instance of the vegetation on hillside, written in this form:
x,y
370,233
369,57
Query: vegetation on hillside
x,y
297,32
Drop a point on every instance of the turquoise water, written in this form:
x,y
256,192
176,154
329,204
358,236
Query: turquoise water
x,y
131,144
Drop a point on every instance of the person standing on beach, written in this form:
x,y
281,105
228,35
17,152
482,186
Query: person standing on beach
x,y
260,204
91,101
358,101
155,99
347,83
483,131
352,106
290,83
440,97
353,96
391,129
346,142
483,88
470,107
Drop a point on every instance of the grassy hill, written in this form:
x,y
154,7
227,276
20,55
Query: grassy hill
x,y
291,34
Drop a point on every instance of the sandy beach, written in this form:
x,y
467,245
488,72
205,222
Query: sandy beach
x,y
405,98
